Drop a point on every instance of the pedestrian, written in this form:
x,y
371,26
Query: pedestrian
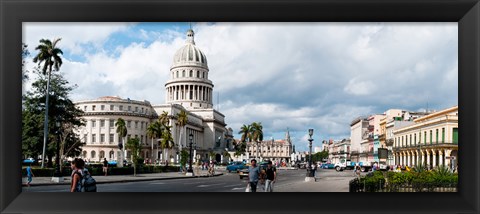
x,y
271,173
29,175
105,166
314,169
77,169
253,175
358,170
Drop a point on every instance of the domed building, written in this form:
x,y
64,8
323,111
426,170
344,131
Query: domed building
x,y
188,89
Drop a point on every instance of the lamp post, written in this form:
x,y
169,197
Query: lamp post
x,y
190,170
310,176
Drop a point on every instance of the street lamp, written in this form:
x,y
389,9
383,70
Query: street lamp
x,y
309,170
190,170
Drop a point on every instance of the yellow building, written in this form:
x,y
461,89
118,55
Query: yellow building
x,y
431,141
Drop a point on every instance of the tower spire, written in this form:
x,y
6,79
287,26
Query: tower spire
x,y
190,35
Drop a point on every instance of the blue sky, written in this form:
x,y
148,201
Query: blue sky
x,y
295,75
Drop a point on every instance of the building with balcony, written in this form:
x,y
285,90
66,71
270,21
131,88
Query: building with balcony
x,y
339,151
432,140
274,150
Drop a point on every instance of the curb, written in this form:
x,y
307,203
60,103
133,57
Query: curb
x,y
125,181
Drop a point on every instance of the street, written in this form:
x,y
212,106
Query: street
x,y
291,180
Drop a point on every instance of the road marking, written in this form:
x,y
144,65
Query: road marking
x,y
234,185
239,188
157,183
210,185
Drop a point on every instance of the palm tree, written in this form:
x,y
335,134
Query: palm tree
x,y
246,131
122,132
167,140
257,133
181,122
154,130
49,54
164,119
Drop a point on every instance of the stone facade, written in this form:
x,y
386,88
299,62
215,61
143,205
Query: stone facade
x,y
274,150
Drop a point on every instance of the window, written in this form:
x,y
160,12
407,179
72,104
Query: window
x,y
177,74
111,139
84,108
455,136
415,139
136,124
142,109
136,109
102,107
191,73
102,123
120,108
141,139
92,154
443,135
111,107
94,124
183,73
425,137
129,108
436,137
93,108
203,75
102,138
129,124
191,94
112,124
198,74
85,138
141,125
94,138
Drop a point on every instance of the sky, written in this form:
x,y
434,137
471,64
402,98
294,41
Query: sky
x,y
284,75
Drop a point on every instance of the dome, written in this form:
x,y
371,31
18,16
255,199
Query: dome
x,y
189,54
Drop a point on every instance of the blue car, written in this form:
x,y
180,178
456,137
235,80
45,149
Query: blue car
x,y
236,166
29,161
327,166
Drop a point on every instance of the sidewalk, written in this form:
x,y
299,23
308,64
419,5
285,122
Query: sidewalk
x,y
42,181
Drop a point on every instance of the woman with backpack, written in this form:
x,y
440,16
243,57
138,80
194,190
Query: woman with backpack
x,y
77,167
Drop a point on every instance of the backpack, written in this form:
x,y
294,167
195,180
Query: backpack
x,y
88,184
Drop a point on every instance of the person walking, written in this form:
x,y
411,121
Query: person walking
x,y
77,169
29,175
253,175
271,177
105,166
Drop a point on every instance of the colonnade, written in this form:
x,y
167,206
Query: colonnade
x,y
190,92
426,157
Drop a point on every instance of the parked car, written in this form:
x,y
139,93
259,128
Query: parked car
x,y
236,166
327,166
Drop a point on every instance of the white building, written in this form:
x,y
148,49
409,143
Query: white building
x,y
188,89
274,150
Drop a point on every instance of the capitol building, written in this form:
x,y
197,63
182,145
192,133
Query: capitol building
x,y
188,89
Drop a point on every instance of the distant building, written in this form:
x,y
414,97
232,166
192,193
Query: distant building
x,y
274,150
339,151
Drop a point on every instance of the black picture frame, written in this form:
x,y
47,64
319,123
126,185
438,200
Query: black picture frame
x,y
14,12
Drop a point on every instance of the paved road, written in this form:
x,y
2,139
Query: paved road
x,y
288,181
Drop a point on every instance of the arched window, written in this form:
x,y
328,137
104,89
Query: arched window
x,y
102,154
198,74
177,74
111,156
191,73
84,154
92,154
183,73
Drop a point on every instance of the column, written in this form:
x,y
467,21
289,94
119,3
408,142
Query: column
x,y
408,158
423,158
414,158
434,157
448,152
440,158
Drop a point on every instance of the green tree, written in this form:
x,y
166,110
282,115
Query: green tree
x,y
182,119
184,156
49,54
122,132
212,155
61,109
133,144
154,130
166,142
226,156
257,133
241,146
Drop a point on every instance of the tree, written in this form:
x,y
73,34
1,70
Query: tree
x,y
184,156
25,54
167,140
133,144
182,119
49,54
226,156
257,133
164,119
240,147
154,130
122,132
212,155
62,109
